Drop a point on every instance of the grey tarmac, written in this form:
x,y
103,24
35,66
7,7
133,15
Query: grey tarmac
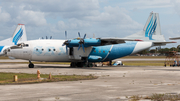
x,y
113,84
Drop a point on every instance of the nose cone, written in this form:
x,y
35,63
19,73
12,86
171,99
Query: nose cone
x,y
8,52
13,52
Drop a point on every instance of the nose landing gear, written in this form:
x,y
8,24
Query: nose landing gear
x,y
31,65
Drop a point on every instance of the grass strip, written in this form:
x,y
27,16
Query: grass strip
x,y
144,63
64,63
24,78
157,97
144,57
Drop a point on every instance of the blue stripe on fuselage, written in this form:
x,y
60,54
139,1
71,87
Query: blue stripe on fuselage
x,y
1,48
118,50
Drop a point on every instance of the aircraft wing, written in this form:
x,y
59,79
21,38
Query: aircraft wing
x,y
116,40
174,38
162,43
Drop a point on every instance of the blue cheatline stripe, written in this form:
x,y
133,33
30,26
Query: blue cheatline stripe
x,y
17,36
153,29
121,50
1,47
116,51
147,28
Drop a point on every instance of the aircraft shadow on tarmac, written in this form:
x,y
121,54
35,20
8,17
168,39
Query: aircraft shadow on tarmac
x,y
91,68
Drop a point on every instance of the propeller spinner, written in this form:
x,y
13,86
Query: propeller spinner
x,y
81,42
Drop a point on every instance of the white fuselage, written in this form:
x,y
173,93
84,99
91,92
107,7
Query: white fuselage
x,y
53,51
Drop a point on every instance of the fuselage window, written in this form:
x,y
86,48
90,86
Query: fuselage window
x,y
103,51
27,45
54,49
49,49
42,49
94,50
36,49
99,51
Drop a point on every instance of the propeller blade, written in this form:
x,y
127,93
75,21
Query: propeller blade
x,y
66,34
66,50
50,37
83,48
79,34
84,36
79,46
69,41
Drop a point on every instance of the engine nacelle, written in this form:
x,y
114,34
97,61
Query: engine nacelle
x,y
85,42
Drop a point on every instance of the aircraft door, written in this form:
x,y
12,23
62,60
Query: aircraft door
x,y
27,52
71,51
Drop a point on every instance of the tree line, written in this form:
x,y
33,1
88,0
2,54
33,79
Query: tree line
x,y
159,50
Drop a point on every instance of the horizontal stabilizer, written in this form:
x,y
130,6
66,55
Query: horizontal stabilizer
x,y
161,43
176,38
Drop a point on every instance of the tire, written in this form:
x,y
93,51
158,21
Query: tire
x,y
31,65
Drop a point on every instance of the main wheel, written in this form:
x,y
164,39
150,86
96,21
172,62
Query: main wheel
x,y
31,65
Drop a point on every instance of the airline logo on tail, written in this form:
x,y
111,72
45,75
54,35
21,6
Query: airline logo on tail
x,y
150,29
1,47
17,36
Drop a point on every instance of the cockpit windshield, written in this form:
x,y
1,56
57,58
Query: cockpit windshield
x,y
20,45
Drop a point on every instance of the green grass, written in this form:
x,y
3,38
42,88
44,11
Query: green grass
x,y
144,63
7,78
144,57
157,97
3,57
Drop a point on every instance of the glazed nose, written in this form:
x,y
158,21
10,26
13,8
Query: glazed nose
x,y
6,51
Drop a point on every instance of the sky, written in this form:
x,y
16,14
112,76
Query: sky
x,y
103,18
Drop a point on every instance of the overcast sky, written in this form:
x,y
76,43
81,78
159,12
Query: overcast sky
x,y
104,18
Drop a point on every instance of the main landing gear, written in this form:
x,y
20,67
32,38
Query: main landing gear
x,y
31,65
82,64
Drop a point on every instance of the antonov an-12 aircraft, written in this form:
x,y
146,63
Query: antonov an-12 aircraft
x,y
18,36
83,51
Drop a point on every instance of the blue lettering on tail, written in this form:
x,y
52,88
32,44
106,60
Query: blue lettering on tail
x,y
17,36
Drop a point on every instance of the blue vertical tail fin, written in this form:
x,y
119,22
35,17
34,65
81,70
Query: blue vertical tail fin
x,y
151,30
19,34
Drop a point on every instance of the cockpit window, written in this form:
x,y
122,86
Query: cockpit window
x,y
26,45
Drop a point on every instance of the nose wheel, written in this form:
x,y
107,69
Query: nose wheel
x,y
31,65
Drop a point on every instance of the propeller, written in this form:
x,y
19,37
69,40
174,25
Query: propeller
x,y
81,42
79,34
66,35
66,42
